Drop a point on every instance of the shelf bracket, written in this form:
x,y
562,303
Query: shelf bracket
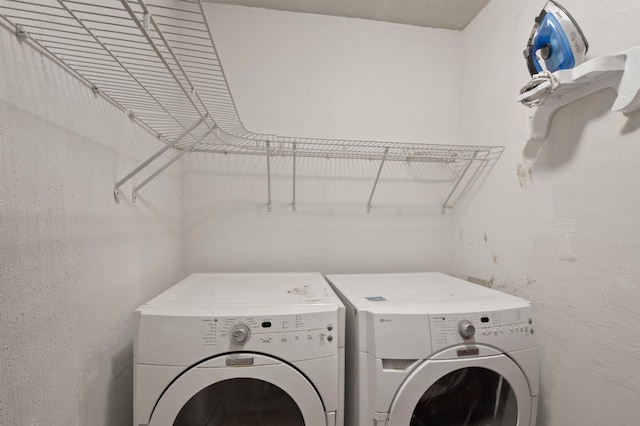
x,y
457,182
268,177
116,188
373,190
293,204
146,19
21,33
134,195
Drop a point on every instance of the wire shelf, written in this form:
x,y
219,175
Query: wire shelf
x,y
157,60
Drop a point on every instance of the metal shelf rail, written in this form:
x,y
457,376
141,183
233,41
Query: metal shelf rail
x,y
157,61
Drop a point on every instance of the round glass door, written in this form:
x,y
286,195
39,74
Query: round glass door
x,y
483,391
467,397
241,401
260,391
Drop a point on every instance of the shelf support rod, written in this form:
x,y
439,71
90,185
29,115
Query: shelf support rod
x,y
373,190
293,205
167,164
268,177
457,183
116,189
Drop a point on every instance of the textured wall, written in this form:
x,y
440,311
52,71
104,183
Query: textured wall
x,y
73,264
557,221
316,76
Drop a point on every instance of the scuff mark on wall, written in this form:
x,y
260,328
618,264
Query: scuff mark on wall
x,y
565,230
525,174
480,281
512,287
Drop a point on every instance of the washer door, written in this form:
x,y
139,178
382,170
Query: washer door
x,y
240,389
464,392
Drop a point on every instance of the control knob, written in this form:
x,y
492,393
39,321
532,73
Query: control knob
x,y
466,329
240,333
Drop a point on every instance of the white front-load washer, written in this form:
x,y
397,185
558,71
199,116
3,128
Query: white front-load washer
x,y
247,349
428,349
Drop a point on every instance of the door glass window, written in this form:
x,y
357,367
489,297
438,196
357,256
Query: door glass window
x,y
240,402
467,397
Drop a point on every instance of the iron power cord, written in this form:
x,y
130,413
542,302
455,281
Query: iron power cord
x,y
538,89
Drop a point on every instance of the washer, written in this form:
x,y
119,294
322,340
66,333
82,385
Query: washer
x,y
241,349
431,349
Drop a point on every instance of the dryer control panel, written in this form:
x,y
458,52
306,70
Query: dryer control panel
x,y
508,330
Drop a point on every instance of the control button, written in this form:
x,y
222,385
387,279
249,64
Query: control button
x,y
322,336
283,338
330,337
309,336
240,333
466,329
531,330
297,337
530,321
495,333
501,331
265,339
330,327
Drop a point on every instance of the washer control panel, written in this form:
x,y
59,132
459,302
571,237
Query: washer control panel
x,y
291,335
510,329
183,340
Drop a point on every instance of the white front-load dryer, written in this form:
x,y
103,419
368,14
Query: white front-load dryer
x,y
428,349
241,349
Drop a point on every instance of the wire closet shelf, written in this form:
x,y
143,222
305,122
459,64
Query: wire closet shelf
x,y
157,61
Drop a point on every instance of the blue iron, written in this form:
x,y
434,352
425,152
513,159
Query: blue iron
x,y
556,41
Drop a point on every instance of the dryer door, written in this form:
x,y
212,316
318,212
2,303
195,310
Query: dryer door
x,y
483,391
240,389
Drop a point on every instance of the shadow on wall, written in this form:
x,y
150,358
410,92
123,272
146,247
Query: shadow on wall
x,y
119,408
632,124
568,126
108,391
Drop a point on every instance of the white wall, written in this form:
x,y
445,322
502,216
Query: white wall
x,y
296,74
557,221
73,264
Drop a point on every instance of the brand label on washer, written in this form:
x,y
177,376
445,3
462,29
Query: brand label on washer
x,y
468,352
239,360
376,299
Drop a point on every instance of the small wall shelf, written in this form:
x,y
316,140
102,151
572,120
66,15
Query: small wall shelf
x,y
620,72
157,61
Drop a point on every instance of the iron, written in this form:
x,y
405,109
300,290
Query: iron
x,y
556,41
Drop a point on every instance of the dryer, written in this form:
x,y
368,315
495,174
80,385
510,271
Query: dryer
x,y
241,349
428,349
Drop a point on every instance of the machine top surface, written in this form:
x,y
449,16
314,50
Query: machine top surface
x,y
235,289
431,292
